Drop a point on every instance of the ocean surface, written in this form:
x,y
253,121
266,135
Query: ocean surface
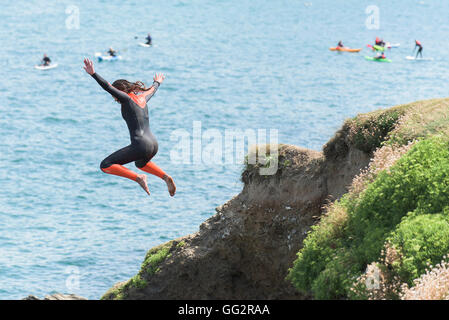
x,y
67,227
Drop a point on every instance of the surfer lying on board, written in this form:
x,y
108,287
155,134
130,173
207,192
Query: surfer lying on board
x,y
133,98
419,46
45,60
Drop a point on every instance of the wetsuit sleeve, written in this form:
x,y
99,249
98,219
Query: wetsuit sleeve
x,y
116,93
148,94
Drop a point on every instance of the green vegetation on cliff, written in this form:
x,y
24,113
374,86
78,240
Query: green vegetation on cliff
x,y
150,266
404,208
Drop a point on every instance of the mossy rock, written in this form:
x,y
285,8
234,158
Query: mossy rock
x,y
150,266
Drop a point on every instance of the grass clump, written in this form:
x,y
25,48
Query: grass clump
x,y
367,132
154,258
433,285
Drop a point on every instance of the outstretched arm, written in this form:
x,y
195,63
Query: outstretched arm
x,y
158,79
116,93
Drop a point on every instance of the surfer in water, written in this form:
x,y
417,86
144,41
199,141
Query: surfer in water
x,y
340,44
133,98
45,60
111,52
419,46
149,40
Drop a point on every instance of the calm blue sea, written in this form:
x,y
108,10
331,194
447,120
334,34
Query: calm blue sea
x,y
238,64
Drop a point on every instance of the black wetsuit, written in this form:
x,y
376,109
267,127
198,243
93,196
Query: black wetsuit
x,y
143,145
46,61
148,39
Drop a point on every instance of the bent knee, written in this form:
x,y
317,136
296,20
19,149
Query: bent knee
x,y
140,163
104,165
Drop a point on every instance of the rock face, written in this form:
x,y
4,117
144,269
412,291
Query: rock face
x,y
245,250
56,296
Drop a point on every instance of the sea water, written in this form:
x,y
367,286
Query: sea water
x,y
230,65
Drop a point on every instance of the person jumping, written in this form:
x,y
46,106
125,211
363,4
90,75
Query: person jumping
x,y
133,98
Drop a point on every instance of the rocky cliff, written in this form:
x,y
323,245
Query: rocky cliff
x,y
245,249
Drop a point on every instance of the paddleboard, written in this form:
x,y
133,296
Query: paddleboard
x,y
418,59
51,66
144,45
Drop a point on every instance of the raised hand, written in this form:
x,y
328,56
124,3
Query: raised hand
x,y
89,66
159,77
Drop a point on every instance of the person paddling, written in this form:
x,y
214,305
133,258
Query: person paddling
x,y
133,97
46,60
149,40
419,46
380,42
381,56
112,52
340,44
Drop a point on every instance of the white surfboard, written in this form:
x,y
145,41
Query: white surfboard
x,y
144,45
42,67
102,57
418,59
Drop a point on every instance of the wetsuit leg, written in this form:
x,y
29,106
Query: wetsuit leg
x,y
145,163
113,164
419,52
151,168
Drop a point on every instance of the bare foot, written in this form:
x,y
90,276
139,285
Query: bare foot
x,y
170,184
142,181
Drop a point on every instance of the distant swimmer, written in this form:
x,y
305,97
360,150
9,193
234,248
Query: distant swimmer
x,y
340,44
133,98
149,40
112,52
419,46
45,60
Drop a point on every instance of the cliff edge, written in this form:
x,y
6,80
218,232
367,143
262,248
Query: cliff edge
x,y
245,250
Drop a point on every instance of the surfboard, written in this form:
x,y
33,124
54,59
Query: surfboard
x,y
144,45
102,57
42,67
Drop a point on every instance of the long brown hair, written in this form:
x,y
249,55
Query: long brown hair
x,y
128,87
